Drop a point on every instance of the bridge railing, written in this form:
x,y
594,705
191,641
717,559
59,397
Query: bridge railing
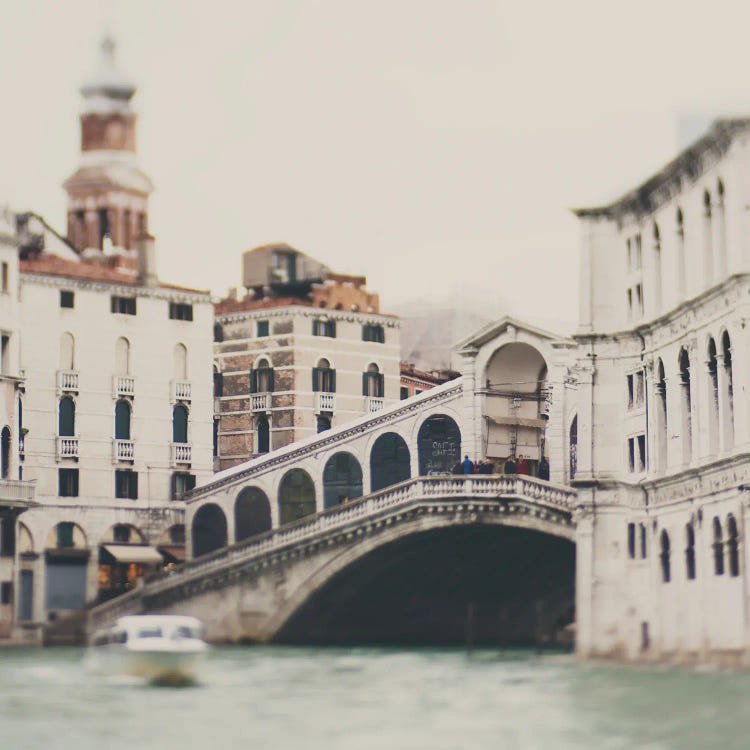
x,y
485,487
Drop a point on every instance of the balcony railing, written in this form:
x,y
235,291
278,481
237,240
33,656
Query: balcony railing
x,y
181,390
374,403
67,381
123,385
260,402
180,453
123,450
13,489
325,402
67,447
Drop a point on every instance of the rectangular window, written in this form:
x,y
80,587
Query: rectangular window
x,y
4,280
67,298
322,327
126,484
180,311
638,251
630,304
65,531
639,388
68,482
7,537
631,541
641,442
6,592
261,328
123,305
629,258
642,528
374,333
218,385
404,392
5,354
182,482
631,455
639,298
631,392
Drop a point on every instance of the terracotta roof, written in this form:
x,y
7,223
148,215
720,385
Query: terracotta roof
x,y
52,265
227,306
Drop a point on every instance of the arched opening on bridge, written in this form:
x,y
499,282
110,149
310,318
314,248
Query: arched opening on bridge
x,y
517,403
296,496
252,513
209,529
439,445
342,479
515,586
390,461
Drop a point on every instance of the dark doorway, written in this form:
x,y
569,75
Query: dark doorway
x,y
296,496
252,513
390,462
342,479
439,445
209,529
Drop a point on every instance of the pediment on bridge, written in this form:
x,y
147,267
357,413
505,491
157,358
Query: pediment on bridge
x,y
509,329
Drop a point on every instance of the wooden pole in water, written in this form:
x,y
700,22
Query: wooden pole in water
x,y
469,626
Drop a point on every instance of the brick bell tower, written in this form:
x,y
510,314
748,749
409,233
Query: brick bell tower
x,y
108,193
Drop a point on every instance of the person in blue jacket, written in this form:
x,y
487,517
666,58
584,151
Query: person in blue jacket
x,y
467,465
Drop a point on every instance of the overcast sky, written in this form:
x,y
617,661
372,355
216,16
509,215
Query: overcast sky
x,y
433,146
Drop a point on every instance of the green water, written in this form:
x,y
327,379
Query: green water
x,y
365,698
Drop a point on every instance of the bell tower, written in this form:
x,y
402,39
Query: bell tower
x,y
108,193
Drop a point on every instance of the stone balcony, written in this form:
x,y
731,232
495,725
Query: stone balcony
x,y
373,404
325,402
123,385
180,454
180,390
123,450
14,491
67,381
66,447
260,402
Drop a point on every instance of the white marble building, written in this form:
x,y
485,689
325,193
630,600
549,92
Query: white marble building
x,y
663,431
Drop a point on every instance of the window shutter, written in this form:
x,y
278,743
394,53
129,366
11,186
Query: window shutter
x,y
364,384
134,487
381,385
316,379
173,486
253,381
333,381
332,329
113,304
270,379
365,333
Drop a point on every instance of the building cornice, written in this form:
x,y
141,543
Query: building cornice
x,y
315,313
125,290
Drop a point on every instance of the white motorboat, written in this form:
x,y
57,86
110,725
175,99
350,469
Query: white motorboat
x,y
163,649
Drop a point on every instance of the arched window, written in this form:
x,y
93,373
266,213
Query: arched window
x,y
718,547
720,223
708,261
252,513
323,377
342,479
733,546
66,417
661,416
261,377
573,447
690,551
179,424
681,266
657,268
713,397
726,397
664,557
218,383
686,405
262,435
67,352
218,333
296,496
180,362
122,356
390,462
209,529
439,445
5,453
122,420
373,382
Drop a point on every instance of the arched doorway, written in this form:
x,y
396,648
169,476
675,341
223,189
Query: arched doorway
x,y
439,445
296,496
252,513
342,479
390,461
209,529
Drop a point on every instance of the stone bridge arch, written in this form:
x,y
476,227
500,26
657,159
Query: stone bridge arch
x,y
469,521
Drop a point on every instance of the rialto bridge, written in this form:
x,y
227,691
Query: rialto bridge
x,y
362,534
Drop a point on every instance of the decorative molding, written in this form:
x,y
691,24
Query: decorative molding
x,y
349,316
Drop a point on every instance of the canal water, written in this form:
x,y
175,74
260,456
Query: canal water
x,y
363,698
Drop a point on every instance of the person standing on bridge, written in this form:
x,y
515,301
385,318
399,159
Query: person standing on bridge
x,y
467,465
510,465
543,471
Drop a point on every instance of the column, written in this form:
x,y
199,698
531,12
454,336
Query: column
x,y
586,449
584,575
471,433
725,417
92,230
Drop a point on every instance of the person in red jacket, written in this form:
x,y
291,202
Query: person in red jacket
x,y
522,465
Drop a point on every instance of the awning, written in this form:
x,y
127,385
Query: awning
x,y
520,421
134,553
176,551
